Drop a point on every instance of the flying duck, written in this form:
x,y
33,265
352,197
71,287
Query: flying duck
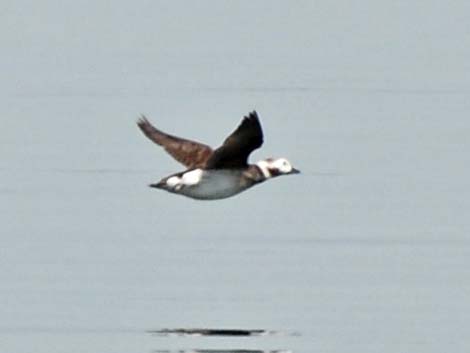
x,y
220,173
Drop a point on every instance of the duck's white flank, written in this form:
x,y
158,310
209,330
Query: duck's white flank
x,y
190,178
173,181
193,177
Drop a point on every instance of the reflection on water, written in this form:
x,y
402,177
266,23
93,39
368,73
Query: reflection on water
x,y
211,332
221,333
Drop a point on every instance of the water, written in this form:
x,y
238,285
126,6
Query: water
x,y
368,250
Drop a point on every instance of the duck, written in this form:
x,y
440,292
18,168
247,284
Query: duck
x,y
214,174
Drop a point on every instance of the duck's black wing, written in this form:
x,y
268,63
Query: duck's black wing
x,y
192,154
237,147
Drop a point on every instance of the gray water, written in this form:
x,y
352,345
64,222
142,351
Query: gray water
x,y
367,251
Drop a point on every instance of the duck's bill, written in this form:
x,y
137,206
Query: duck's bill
x,y
294,171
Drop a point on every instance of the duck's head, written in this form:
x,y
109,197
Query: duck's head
x,y
275,167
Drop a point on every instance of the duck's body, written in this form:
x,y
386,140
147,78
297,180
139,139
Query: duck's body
x,y
212,184
221,173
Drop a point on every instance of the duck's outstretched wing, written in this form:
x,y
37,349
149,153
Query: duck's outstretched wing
x,y
237,147
192,154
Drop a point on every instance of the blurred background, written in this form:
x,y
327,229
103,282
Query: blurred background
x,y
367,250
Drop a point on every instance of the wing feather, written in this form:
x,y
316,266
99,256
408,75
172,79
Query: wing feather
x,y
191,154
236,148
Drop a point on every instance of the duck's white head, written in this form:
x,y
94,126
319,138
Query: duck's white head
x,y
275,167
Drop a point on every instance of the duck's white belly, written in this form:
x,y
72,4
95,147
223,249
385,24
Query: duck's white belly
x,y
214,184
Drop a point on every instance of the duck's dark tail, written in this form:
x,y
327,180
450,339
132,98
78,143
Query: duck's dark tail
x,y
160,185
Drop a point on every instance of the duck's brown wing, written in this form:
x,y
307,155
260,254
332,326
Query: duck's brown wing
x,y
192,154
237,147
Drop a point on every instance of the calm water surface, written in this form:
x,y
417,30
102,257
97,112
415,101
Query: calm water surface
x,y
367,251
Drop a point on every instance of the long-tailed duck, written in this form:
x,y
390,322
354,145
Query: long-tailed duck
x,y
220,173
